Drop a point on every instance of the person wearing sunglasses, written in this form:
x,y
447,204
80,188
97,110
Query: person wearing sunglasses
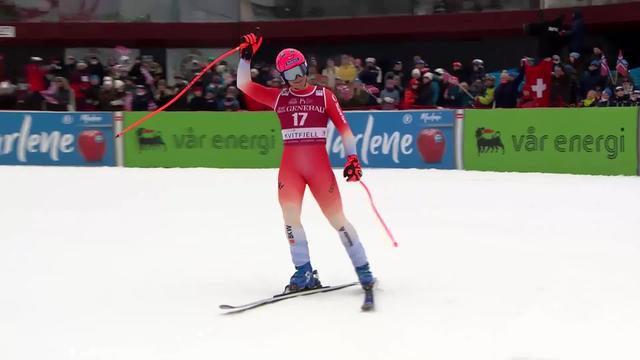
x,y
304,111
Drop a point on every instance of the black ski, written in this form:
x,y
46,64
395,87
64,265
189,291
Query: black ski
x,y
280,297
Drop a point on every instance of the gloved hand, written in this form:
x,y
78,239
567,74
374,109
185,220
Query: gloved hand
x,y
250,44
352,170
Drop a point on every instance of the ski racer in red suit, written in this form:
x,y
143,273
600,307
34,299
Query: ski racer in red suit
x,y
304,111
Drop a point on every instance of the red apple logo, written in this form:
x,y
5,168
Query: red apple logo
x,y
431,145
92,145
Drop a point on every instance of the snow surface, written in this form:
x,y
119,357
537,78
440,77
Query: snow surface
x,y
131,264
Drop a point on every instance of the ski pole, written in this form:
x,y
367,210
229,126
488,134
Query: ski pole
x,y
175,98
375,210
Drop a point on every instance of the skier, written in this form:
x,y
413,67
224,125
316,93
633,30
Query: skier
x,y
304,111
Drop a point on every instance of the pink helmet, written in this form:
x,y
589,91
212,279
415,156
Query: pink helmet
x,y
288,59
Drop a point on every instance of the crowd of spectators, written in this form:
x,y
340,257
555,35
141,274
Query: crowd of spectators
x,y
141,85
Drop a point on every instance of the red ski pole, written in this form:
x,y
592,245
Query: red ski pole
x,y
175,98
386,228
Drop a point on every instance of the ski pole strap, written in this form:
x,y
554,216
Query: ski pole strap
x,y
375,210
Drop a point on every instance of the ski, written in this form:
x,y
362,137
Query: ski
x,y
368,303
280,297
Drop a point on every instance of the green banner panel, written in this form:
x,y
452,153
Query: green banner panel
x,y
204,139
598,141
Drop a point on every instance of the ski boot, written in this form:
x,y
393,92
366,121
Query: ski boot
x,y
305,278
365,276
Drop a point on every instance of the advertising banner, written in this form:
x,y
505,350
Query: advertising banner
x,y
56,138
599,141
204,139
398,139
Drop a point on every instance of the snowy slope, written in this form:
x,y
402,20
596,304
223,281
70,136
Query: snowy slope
x,y
131,264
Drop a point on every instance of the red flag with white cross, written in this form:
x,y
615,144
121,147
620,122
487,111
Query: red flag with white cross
x,y
538,78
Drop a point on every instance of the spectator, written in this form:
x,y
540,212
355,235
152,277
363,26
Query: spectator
x,y
330,73
96,68
410,94
372,74
576,35
210,101
527,100
109,98
620,99
230,102
69,66
458,71
592,80
396,71
346,71
466,99
92,95
389,96
142,100
360,95
163,93
605,98
477,71
425,91
197,102
561,87
635,98
8,98
506,94
576,62
486,99
61,98
591,100
35,73
79,82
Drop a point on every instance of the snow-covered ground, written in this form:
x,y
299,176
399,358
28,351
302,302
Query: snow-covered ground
x,y
131,264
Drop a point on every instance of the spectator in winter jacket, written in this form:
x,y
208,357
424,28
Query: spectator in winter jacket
x,y
371,74
425,91
486,99
605,98
346,71
210,101
397,71
561,88
576,35
35,74
92,95
591,100
506,94
163,93
329,72
457,70
620,99
592,80
95,67
635,98
410,94
8,98
477,72
527,100
142,100
62,98
197,102
389,96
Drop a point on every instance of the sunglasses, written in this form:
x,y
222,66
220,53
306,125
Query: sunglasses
x,y
293,73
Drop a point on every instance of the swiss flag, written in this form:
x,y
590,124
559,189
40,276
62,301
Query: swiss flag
x,y
538,79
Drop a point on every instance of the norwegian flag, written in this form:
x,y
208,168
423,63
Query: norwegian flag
x,y
622,66
604,66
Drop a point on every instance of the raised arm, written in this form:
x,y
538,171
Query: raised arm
x,y
262,94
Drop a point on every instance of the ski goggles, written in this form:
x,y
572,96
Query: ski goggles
x,y
294,72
